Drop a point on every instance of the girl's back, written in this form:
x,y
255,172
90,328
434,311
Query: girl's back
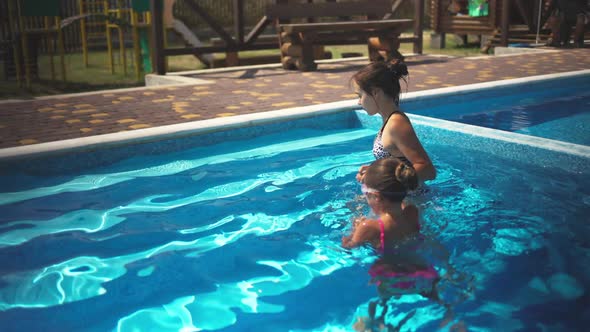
x,y
402,227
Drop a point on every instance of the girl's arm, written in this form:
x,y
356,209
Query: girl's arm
x,y
355,225
363,232
401,134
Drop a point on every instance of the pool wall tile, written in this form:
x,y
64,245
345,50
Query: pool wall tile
x,y
93,157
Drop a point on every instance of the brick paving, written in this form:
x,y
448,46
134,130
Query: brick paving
x,y
242,91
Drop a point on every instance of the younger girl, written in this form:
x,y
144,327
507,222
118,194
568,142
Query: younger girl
x,y
399,269
385,185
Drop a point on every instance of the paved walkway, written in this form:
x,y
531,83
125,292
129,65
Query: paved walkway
x,y
243,91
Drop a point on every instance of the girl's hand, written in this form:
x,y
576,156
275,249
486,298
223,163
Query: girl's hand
x,y
361,173
344,241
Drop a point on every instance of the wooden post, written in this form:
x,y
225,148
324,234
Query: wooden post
x,y
62,48
157,10
418,25
24,45
307,58
239,20
232,58
50,46
136,49
505,22
122,54
83,36
14,29
109,37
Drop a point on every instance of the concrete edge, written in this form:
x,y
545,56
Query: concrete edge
x,y
153,80
508,51
261,66
469,88
174,131
518,138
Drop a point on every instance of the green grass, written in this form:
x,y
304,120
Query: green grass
x,y
98,76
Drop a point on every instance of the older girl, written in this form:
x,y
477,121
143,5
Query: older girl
x,y
378,88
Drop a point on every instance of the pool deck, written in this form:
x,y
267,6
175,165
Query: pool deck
x,y
236,91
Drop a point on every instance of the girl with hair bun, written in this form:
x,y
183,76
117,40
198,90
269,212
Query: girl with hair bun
x,y
399,268
378,88
386,183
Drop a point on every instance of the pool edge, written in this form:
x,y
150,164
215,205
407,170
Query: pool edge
x,y
173,131
505,136
252,119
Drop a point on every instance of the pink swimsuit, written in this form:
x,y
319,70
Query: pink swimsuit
x,y
416,280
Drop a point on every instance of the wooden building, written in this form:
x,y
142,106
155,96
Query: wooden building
x,y
499,22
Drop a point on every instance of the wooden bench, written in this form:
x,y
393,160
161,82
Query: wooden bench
x,y
348,23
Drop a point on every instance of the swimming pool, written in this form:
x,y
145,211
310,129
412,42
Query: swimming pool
x,y
556,108
203,233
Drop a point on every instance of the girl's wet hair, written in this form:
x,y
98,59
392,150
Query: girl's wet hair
x,y
384,75
391,177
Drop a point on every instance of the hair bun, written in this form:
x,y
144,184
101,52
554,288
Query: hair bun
x,y
407,176
398,68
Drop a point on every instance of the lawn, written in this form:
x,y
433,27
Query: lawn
x,y
98,76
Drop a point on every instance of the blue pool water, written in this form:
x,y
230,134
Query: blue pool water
x,y
558,109
186,236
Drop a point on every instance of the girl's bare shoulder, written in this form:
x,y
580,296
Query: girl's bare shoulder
x,y
412,217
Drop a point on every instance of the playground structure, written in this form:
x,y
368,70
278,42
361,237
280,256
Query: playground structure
x,y
119,25
91,28
35,26
140,18
29,22
32,27
99,18
120,15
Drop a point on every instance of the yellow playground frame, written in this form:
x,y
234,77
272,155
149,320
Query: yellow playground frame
x,y
98,18
25,25
139,18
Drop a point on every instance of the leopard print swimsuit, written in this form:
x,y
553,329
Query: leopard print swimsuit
x,y
379,152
